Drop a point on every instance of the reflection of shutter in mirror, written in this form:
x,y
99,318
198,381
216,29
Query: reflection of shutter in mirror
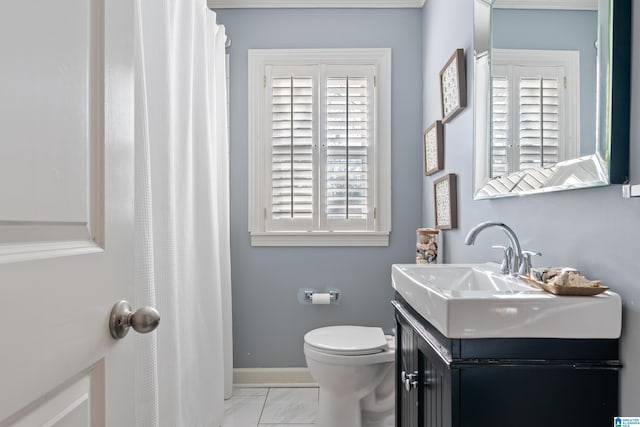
x,y
500,126
347,144
525,118
539,109
291,147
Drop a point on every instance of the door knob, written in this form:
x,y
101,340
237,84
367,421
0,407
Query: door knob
x,y
143,320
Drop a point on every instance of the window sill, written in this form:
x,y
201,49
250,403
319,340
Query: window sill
x,y
320,238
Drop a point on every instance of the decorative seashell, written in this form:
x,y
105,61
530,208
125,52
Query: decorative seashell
x,y
579,281
572,278
548,273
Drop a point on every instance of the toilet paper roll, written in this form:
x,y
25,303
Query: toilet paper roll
x,y
318,298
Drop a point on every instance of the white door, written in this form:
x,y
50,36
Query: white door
x,y
66,211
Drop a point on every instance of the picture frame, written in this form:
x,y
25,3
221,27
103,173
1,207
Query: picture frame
x,y
445,193
453,86
433,148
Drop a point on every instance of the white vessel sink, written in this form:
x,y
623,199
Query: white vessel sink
x,y
476,301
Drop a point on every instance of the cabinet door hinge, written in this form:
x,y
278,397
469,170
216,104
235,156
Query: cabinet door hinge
x,y
264,213
264,81
375,213
375,81
565,82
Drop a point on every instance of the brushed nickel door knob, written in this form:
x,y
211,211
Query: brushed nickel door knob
x,y
143,320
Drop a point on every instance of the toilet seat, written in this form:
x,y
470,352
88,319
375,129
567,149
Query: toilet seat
x,y
347,340
322,356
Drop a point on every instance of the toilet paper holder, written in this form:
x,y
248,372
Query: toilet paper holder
x,y
307,294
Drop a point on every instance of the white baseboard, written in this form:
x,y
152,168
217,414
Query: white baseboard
x,y
273,377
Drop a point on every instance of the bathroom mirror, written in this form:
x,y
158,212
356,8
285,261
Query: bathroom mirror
x,y
551,95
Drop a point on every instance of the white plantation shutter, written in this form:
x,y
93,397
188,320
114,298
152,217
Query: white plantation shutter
x,y
527,117
347,147
292,147
347,143
290,99
322,185
319,147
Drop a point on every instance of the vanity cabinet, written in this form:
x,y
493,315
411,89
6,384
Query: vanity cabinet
x,y
406,375
524,382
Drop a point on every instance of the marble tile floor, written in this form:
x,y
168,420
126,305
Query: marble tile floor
x,y
271,407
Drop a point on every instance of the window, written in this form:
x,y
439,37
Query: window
x,y
531,93
319,147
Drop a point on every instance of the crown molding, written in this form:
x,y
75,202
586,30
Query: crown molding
x,y
547,4
264,4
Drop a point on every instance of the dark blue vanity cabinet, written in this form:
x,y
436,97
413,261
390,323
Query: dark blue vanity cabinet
x,y
489,382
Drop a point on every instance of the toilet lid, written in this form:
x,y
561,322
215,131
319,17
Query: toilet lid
x,y
347,340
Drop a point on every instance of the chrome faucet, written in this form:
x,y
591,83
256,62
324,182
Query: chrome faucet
x,y
516,253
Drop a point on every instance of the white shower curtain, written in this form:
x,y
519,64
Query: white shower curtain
x,y
182,214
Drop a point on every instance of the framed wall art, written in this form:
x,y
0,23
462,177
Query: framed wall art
x,y
453,86
433,148
445,193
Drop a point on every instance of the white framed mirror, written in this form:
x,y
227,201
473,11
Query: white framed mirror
x,y
551,95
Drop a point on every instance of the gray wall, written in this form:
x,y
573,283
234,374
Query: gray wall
x,y
268,322
557,30
595,230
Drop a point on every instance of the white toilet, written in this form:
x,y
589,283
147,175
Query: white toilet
x,y
354,367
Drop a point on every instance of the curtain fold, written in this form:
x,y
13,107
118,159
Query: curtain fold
x,y
182,213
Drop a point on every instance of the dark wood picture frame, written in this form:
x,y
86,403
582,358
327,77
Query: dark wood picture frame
x,y
453,86
433,148
445,195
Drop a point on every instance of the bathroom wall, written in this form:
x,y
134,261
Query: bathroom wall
x,y
595,230
268,322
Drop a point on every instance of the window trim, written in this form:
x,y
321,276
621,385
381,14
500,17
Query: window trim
x,y
258,60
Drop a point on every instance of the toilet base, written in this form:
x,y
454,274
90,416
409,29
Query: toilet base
x,y
356,390
341,410
338,410
389,421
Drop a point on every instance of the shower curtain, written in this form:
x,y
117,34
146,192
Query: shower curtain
x,y
182,214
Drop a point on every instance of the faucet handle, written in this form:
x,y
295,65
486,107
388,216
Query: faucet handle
x,y
525,265
505,266
529,253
